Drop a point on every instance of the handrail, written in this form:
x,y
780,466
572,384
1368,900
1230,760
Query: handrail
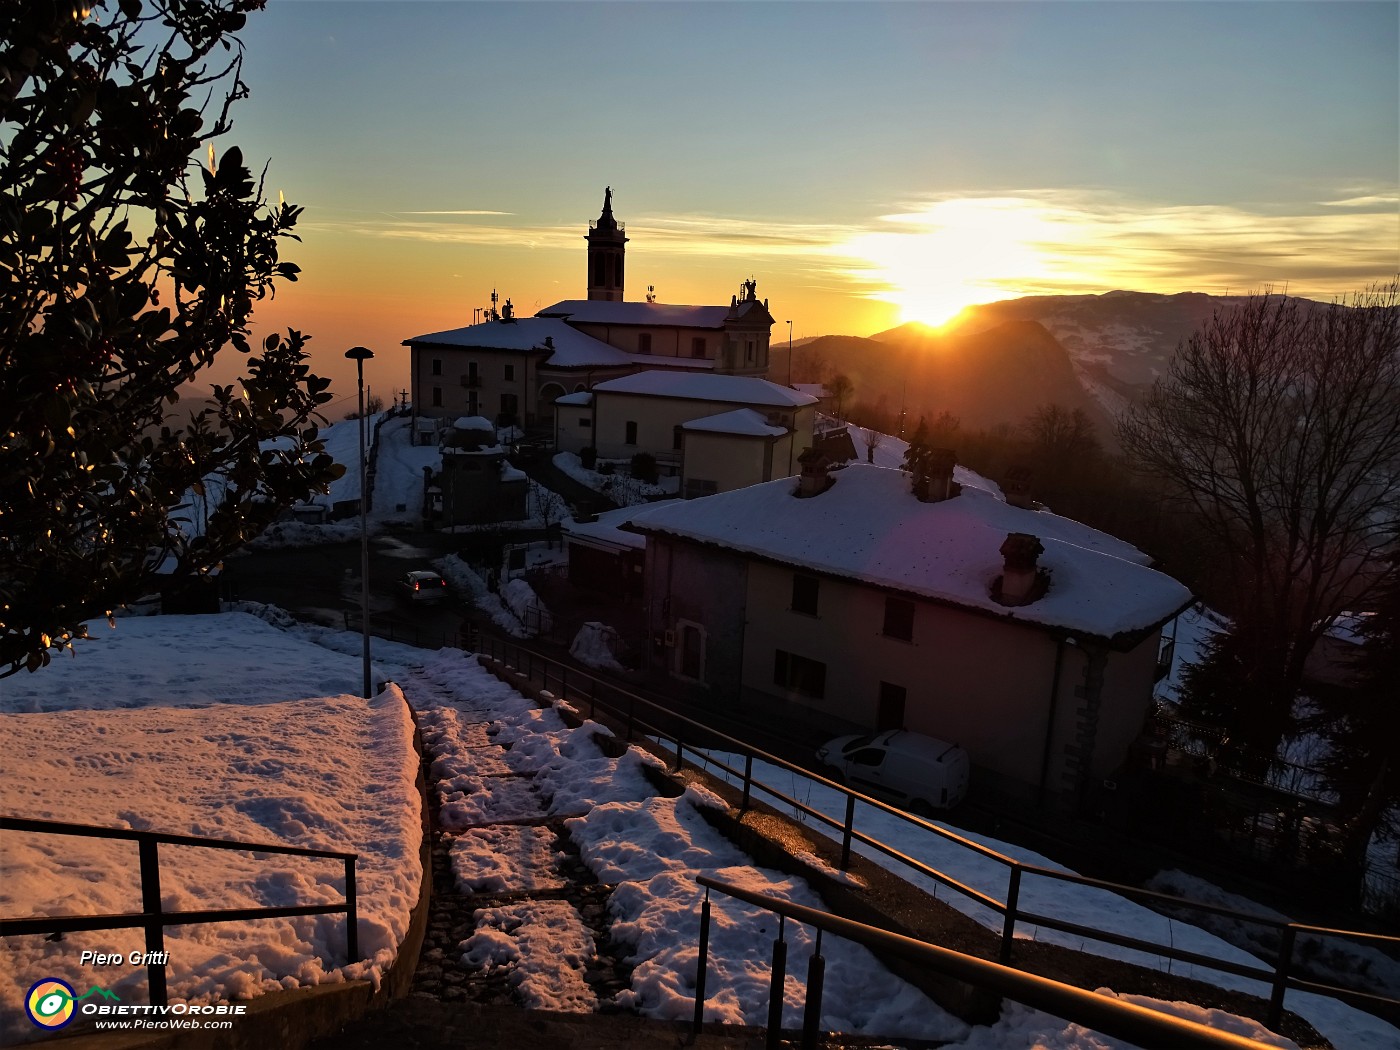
x,y
1280,977
152,917
1113,1017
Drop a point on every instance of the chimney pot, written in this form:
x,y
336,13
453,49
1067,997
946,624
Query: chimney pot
x,y
814,478
1021,581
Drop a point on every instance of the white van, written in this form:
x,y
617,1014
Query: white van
x,y
908,769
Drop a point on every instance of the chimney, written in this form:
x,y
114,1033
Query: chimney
x,y
1021,581
940,474
1016,487
814,479
933,476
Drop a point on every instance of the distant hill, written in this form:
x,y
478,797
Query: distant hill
x,y
996,363
998,375
1119,342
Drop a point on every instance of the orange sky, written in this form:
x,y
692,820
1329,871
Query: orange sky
x,y
867,163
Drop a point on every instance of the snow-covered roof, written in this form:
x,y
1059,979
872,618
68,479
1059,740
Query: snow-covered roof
x,y
578,397
570,347
606,528
473,423
597,311
741,421
868,527
700,386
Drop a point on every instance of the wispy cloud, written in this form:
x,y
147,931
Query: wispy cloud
x,y
461,212
938,254
934,255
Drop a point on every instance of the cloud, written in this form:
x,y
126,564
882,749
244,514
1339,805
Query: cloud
x,y
463,212
934,255
938,253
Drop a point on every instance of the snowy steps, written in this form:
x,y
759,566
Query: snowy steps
x,y
518,921
508,883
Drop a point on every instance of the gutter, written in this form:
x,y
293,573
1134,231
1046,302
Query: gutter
x,y
1060,644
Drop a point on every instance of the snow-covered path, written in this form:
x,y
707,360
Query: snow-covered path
x,y
522,799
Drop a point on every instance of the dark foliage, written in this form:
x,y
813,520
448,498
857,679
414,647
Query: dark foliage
x,y
644,467
126,265
1363,765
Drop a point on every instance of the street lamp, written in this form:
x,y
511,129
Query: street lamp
x,y
789,324
360,355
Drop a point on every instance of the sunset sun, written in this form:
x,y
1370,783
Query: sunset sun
x,y
934,262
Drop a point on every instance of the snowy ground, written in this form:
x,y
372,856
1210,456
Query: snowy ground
x,y
1343,1025
619,487
147,754
181,724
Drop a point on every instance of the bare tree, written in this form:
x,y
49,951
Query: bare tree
x,y
1279,425
548,506
872,440
1058,433
839,387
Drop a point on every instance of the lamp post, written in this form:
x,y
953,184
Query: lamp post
x,y
789,324
359,355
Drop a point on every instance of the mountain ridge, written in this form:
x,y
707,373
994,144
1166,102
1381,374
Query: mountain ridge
x,y
1115,344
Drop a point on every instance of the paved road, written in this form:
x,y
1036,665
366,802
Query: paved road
x,y
322,584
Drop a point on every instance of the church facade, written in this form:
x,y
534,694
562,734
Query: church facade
x,y
512,370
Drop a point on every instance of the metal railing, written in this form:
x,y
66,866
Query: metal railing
x,y
1209,744
638,715
153,918
1114,1017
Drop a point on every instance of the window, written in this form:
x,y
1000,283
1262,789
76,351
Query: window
x,y
585,422
804,594
510,373
437,366
676,436
874,757
644,343
631,438
697,487
748,352
437,397
899,619
797,674
510,404
697,346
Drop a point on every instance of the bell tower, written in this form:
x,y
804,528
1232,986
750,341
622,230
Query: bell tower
x,y
606,247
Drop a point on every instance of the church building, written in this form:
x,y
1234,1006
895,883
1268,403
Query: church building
x,y
512,370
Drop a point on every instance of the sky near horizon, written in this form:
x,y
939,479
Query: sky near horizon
x,y
868,163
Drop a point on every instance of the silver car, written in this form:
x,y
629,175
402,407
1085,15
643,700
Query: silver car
x,y
422,586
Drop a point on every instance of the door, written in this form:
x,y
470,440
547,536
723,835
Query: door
x,y
865,770
889,712
691,659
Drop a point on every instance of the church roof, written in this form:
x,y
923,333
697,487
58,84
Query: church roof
x,y
570,347
703,386
598,311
